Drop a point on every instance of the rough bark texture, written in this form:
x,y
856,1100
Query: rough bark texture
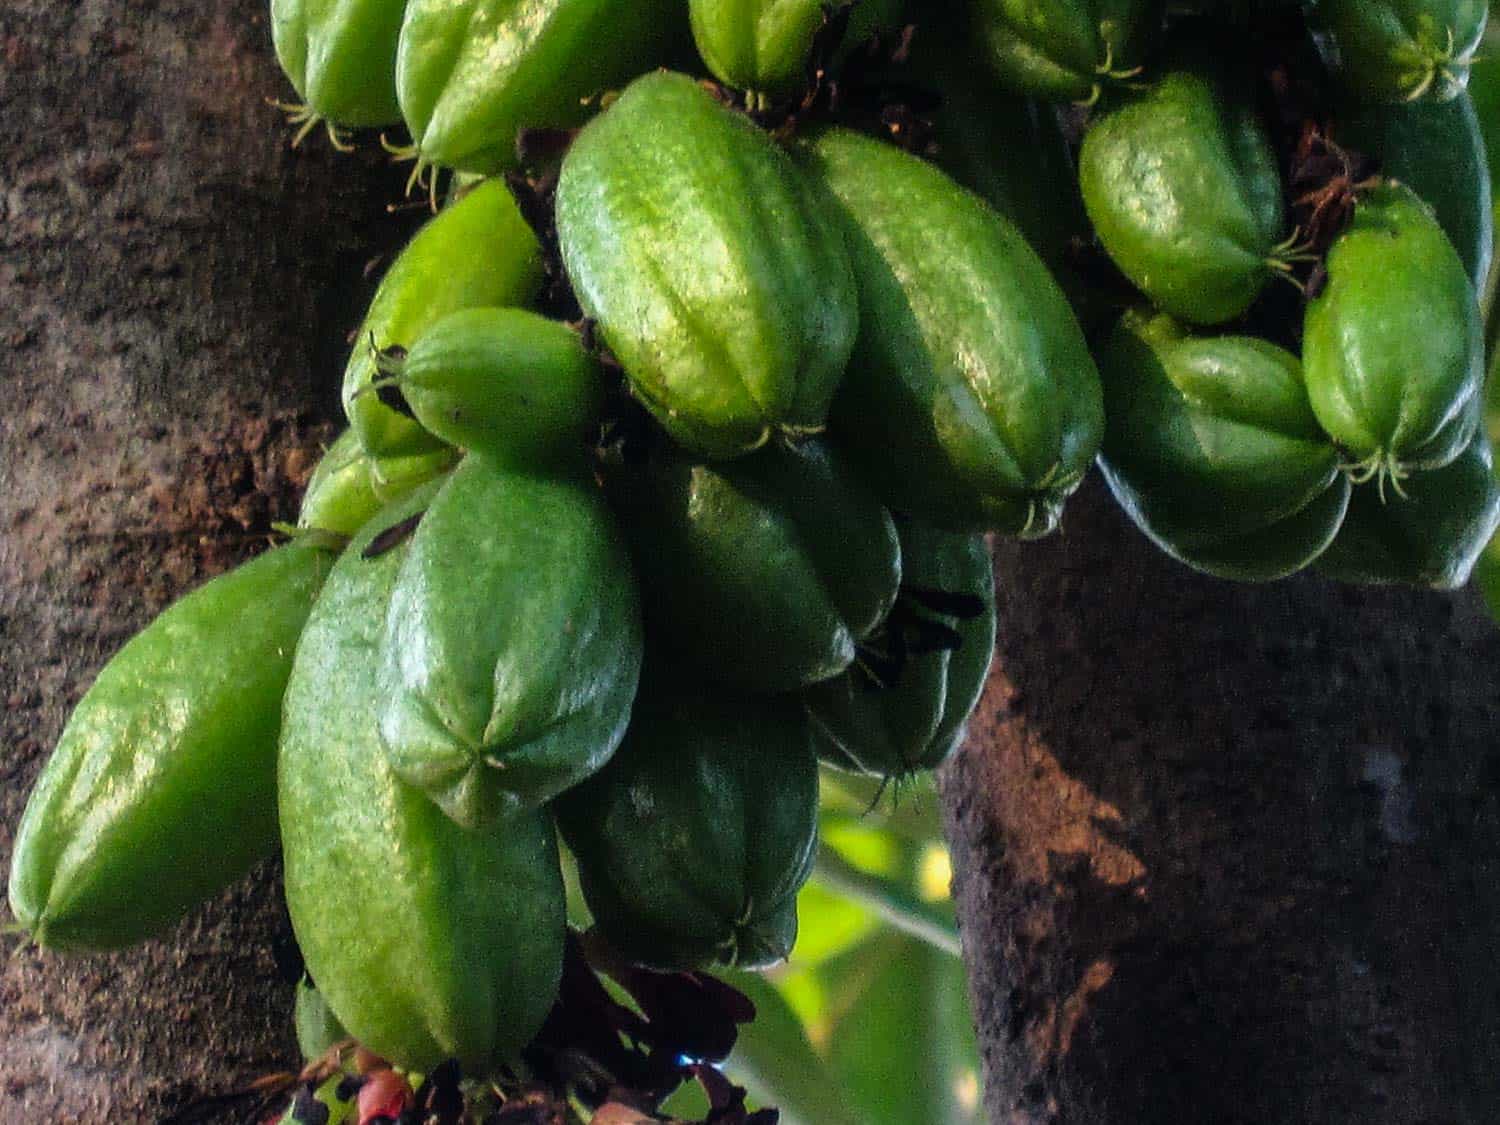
x,y
175,285
1229,854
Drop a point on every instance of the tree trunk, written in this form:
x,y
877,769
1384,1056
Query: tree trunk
x,y
1222,854
1228,854
175,286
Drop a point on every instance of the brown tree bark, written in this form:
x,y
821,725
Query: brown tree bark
x,y
175,285
1228,854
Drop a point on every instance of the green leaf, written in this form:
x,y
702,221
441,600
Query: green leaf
x,y
775,1061
904,1048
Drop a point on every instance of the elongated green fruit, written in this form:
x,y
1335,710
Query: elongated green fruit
x,y
471,74
763,45
341,56
905,706
349,486
478,251
512,644
510,384
1430,534
971,401
764,573
1437,150
980,128
1066,50
1392,345
693,842
162,789
1183,189
1400,50
719,284
1212,441
427,941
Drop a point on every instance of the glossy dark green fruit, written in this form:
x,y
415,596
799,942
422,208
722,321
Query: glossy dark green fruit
x,y
1400,50
980,128
693,842
512,645
1430,534
162,788
1213,449
348,486
1184,192
716,279
1392,346
507,383
765,572
971,401
477,251
904,706
340,55
428,941
471,74
764,45
1066,50
1436,149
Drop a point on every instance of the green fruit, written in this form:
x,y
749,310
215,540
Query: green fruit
x,y
318,1029
764,45
1184,192
341,57
349,486
477,251
428,941
1430,534
1392,345
162,789
971,401
471,74
512,645
693,842
1213,449
764,573
1437,150
903,708
1065,50
510,384
1400,50
716,280
978,130
1282,548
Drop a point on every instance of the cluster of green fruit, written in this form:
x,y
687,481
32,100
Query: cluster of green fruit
x,y
638,571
